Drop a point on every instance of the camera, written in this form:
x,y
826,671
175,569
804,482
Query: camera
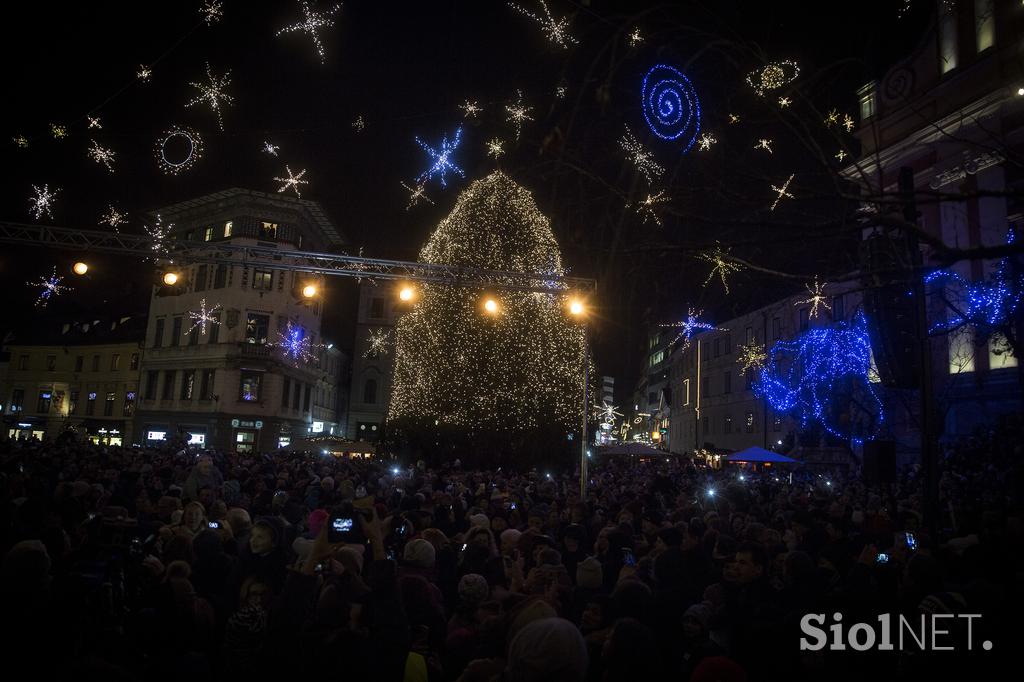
x,y
343,525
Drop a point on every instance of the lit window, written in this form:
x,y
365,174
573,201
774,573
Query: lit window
x,y
263,280
1000,355
867,106
750,422
984,24
686,391
961,350
947,37
227,229
249,389
268,230
208,234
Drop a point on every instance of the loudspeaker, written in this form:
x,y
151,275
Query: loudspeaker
x,y
879,461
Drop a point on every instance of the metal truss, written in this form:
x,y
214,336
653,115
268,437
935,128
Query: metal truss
x,y
271,257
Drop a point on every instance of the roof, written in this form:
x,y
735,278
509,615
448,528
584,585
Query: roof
x,y
81,332
756,454
314,211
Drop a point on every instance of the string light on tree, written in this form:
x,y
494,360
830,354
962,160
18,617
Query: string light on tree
x,y
101,155
517,113
202,317
442,160
416,194
721,264
212,11
94,122
646,207
817,298
166,159
42,203
270,148
49,287
783,191
751,357
114,217
359,124
773,76
556,30
378,343
292,181
494,148
311,24
144,73
690,326
59,131
641,157
213,93
470,109
705,142
764,144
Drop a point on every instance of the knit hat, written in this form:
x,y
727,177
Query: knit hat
x,y
351,558
473,588
317,519
589,574
510,537
700,613
547,649
419,553
479,521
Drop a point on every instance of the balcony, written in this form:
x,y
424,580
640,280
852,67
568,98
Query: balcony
x,y
253,350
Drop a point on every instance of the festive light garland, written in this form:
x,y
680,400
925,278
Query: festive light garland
x,y
101,155
212,11
494,148
635,39
705,142
213,93
58,131
764,144
606,412
840,155
51,286
359,124
560,91
640,156
42,203
94,122
733,118
831,118
773,76
20,141
670,105
144,73
517,369
270,148
784,102
517,113
378,343
416,194
195,149
441,159
646,207
808,375
470,109
158,234
783,191
848,123
556,30
202,317
114,217
818,299
311,24
751,357
294,344
720,264
690,326
292,181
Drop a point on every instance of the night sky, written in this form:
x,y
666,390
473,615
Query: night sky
x,y
405,67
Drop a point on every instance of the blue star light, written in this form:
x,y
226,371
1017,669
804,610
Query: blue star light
x,y
689,326
294,344
441,159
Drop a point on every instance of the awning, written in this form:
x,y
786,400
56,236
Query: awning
x,y
758,455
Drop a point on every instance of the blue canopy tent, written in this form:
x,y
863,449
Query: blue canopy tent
x,y
756,455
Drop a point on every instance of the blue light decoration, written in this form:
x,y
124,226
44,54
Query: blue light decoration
x,y
988,304
441,159
670,105
806,377
691,325
294,343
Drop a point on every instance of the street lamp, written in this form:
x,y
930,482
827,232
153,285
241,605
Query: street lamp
x,y
309,291
170,278
80,268
491,306
578,310
406,293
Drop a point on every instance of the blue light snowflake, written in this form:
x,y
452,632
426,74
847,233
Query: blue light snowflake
x,y
441,159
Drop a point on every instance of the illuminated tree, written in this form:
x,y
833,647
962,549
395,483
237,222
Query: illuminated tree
x,y
507,381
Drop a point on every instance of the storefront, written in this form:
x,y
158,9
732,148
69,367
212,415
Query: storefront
x,y
245,434
25,428
157,434
107,432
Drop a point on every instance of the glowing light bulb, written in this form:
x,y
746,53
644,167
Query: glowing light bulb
x,y
309,291
491,306
406,293
576,307
80,268
170,278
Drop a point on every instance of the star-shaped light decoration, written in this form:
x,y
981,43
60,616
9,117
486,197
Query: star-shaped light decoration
x,y
721,264
114,217
764,144
94,122
784,102
42,202
646,207
50,286
359,124
470,109
752,357
158,234
202,317
213,93
848,123
311,24
560,91
640,156
817,298
494,148
270,148
442,159
416,194
517,113
20,141
292,181
144,73
294,343
782,191
606,412
58,130
733,118
705,142
102,155
635,39
840,155
831,118
690,326
212,11
377,343
556,30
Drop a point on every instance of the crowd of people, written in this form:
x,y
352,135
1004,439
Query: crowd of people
x,y
141,563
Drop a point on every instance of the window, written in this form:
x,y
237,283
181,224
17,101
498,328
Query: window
x,y
749,335
249,386
151,378
51,363
947,37
193,336
190,235
370,391
268,230
168,390
750,422
158,335
867,106
108,405
704,351
305,401
718,347
295,395
777,423
73,402
727,424
188,378
129,404
727,382
657,358
202,273
984,24
961,350
208,234
776,328
115,362
805,319
749,376
286,393
215,329
176,331
838,308
17,399
377,308
704,384
23,362
133,363
1000,356
95,363
43,404
227,229
206,385
79,362
686,391
262,280
728,345
90,404
256,326
220,277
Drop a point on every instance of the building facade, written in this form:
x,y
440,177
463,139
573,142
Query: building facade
x,y
258,374
373,361
83,377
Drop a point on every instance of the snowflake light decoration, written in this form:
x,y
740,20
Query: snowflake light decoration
x,y
783,191
733,118
494,148
292,181
195,149
58,131
378,342
646,210
441,159
416,194
517,113
213,93
158,234
773,76
705,142
202,317
470,109
635,39
690,326
560,91
42,202
816,300
784,102
359,124
831,118
294,344
50,286
94,122
764,144
270,148
113,217
144,73
20,141
556,30
848,123
212,11
311,24
721,265
751,357
102,155
641,158
606,412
